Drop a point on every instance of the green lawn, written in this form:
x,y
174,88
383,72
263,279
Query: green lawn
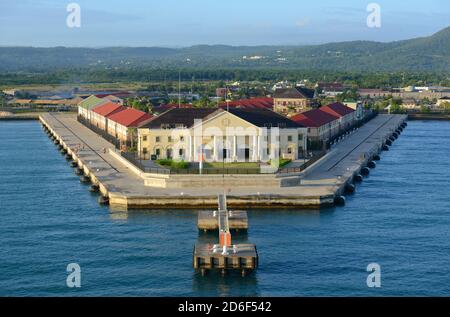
x,y
231,165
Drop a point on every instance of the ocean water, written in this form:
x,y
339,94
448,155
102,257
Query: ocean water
x,y
399,218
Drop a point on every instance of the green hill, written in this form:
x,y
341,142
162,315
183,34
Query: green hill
x,y
420,54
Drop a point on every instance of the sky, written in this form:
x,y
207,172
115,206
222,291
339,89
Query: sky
x,y
180,23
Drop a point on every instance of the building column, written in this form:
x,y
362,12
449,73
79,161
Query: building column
x,y
189,149
255,148
216,150
194,149
234,158
259,154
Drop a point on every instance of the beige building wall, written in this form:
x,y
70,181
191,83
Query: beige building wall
x,y
324,132
223,137
118,131
347,121
98,120
291,106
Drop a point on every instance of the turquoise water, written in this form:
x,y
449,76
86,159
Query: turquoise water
x,y
399,218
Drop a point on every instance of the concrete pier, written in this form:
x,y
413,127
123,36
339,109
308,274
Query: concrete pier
x,y
242,257
126,187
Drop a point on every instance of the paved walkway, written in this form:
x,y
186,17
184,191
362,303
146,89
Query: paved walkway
x,y
321,180
347,155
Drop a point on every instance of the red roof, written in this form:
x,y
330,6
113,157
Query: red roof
x,y
314,118
258,103
108,109
337,109
164,108
130,117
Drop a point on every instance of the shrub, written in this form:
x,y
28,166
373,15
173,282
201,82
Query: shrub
x,y
173,164
164,162
280,162
180,165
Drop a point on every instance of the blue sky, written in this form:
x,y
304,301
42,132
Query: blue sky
x,y
175,23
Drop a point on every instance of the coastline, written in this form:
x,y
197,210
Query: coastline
x,y
429,116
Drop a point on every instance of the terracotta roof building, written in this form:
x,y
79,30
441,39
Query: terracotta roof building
x,y
121,124
322,126
314,118
101,113
347,115
130,118
87,105
108,109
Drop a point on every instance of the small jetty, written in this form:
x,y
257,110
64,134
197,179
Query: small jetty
x,y
224,255
209,220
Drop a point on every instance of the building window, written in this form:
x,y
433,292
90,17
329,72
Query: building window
x,y
169,139
144,138
289,150
181,152
157,139
289,138
158,152
181,138
144,150
300,137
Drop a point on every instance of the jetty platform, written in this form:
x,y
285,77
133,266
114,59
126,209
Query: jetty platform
x,y
209,220
125,186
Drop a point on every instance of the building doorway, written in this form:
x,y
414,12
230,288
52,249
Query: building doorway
x,y
169,154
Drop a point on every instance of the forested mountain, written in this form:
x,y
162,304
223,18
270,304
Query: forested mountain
x,y
421,54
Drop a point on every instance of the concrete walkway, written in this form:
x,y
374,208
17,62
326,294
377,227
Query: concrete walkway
x,y
347,155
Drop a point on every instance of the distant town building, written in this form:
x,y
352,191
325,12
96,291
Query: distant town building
x,y
410,104
281,85
442,100
291,101
221,92
373,93
163,108
430,93
112,98
184,96
331,89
